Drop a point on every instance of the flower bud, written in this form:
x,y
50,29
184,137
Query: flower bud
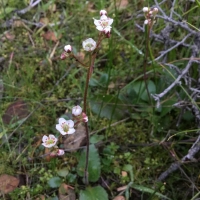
x,y
68,48
146,21
103,12
76,110
84,117
155,10
63,56
60,152
145,9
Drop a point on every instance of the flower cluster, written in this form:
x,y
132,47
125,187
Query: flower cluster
x,y
64,127
149,15
104,23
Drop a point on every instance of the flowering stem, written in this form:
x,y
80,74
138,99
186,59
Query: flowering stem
x,y
86,124
147,33
89,73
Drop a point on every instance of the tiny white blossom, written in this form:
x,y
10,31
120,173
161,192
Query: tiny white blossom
x,y
65,126
60,152
103,23
76,110
103,12
68,48
49,141
145,9
89,44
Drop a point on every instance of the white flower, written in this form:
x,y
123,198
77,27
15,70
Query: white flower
x,y
145,9
76,110
68,48
65,126
89,44
103,23
49,141
60,152
103,12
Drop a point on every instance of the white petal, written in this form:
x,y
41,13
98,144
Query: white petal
x,y
61,121
71,131
110,21
100,28
59,128
97,22
52,137
70,123
44,138
103,17
48,145
63,132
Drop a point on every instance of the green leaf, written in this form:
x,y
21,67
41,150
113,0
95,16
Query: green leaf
x,y
55,182
136,90
106,106
6,11
128,42
63,172
94,167
149,190
96,138
93,193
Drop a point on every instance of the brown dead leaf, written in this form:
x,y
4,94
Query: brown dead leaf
x,y
52,8
8,36
90,7
66,192
122,188
111,85
8,183
47,152
119,198
44,20
81,56
124,173
50,35
15,111
18,23
75,140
